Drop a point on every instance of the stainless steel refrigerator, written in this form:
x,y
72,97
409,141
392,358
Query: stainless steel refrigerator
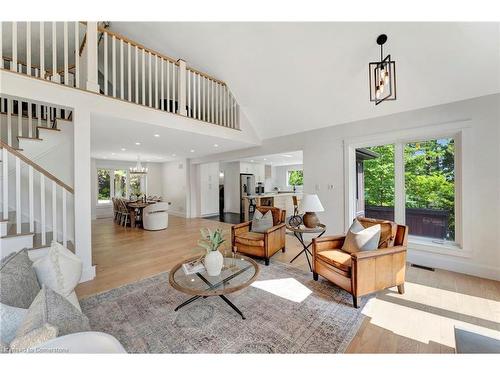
x,y
247,187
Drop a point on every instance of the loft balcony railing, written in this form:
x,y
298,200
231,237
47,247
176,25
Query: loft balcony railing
x,y
87,56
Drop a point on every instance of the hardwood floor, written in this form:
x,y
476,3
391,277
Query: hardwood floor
x,y
420,321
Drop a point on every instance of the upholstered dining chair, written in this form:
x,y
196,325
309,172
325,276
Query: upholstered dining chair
x,y
155,216
263,245
364,272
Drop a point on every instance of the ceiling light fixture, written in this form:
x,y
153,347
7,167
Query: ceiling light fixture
x,y
191,151
174,155
216,145
138,169
137,143
124,149
157,135
382,76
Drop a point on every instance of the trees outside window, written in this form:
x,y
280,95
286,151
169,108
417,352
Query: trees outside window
x,y
104,186
296,178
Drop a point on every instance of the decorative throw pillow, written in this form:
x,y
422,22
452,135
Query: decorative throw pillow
x,y
261,223
33,338
60,269
52,308
359,238
10,320
19,285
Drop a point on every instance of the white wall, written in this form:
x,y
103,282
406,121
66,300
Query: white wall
x,y
323,152
174,186
280,176
231,186
209,189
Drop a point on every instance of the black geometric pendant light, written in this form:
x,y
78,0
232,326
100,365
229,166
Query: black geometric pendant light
x,y
382,76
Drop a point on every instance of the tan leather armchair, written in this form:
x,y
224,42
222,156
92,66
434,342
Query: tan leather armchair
x,y
364,272
263,245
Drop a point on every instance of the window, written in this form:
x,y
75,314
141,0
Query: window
x,y
425,200
136,184
295,177
120,179
104,186
430,188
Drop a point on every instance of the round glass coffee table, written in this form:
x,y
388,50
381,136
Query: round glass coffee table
x,y
237,273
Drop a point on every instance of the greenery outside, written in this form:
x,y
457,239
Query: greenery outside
x,y
104,184
296,178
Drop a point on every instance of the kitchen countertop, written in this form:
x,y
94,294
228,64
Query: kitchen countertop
x,y
271,195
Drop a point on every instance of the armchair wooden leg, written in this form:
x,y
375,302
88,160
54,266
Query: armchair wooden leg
x,y
267,261
283,250
355,302
401,289
315,276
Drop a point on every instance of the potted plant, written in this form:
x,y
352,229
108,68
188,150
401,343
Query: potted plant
x,y
211,241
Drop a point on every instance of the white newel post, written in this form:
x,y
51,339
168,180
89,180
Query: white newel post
x,y
182,88
82,194
91,47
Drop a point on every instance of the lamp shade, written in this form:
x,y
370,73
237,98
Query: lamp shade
x,y
310,203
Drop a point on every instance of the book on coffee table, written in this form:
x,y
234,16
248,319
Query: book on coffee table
x,y
193,267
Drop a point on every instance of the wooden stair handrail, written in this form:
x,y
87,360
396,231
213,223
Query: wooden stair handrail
x,y
35,166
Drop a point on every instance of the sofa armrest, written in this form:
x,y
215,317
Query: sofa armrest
x,y
240,228
377,253
82,342
327,243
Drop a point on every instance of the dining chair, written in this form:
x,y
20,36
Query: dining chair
x,y
125,214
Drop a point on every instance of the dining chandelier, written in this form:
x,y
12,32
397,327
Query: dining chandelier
x,y
382,76
138,169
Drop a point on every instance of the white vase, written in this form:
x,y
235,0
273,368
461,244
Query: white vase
x,y
213,263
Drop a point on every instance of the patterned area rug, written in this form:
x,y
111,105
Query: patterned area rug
x,y
287,313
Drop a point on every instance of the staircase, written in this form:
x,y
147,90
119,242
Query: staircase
x,y
36,201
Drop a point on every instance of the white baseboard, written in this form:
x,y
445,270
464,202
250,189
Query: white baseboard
x,y
460,265
88,274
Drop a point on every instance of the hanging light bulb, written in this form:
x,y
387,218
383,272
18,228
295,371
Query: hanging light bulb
x,y
381,86
377,92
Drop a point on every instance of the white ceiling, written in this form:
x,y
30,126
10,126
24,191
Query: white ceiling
x,y
291,77
285,158
110,135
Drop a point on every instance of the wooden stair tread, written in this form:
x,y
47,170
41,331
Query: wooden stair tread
x,y
17,235
46,128
29,138
37,242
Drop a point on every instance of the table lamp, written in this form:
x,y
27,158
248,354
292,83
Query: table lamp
x,y
310,204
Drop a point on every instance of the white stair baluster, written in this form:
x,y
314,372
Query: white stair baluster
x,y
156,81
136,75
13,64
30,120
113,64
65,41
122,86
77,54
43,228
143,78
105,47
150,93
189,93
64,219
19,119
18,196
28,48
31,201
174,87
1,45
5,183
162,88
42,50
168,87
199,96
55,77
9,121
54,211
129,73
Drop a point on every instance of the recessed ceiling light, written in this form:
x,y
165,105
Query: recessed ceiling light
x,y
174,155
216,145
191,150
112,153
265,159
157,135
137,143
148,160
124,149
251,160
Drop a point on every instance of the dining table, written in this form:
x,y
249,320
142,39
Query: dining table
x,y
137,205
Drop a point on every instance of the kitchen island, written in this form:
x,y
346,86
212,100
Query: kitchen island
x,y
282,200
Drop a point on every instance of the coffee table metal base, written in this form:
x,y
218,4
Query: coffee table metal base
x,y
224,298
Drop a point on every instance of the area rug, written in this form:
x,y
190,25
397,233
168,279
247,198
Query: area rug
x,y
309,317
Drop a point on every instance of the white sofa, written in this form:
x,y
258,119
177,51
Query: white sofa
x,y
155,216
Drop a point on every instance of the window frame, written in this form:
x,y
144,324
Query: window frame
x,y
455,130
143,182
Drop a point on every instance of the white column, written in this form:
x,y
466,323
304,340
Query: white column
x,y
399,184
182,88
92,77
82,194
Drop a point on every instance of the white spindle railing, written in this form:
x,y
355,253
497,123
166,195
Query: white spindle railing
x,y
23,197
17,50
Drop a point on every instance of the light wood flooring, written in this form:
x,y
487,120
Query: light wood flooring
x,y
420,321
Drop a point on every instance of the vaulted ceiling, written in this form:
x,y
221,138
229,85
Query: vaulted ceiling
x,y
291,77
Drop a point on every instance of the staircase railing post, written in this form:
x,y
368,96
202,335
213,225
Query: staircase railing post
x,y
182,88
92,83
